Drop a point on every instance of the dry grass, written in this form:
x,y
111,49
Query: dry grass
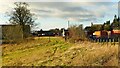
x,y
0,56
39,52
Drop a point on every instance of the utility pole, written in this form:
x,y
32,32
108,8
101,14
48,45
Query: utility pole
x,y
66,33
68,24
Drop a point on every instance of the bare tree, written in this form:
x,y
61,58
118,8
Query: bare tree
x,y
21,15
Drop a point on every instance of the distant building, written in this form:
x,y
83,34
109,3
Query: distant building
x,y
43,33
14,32
51,32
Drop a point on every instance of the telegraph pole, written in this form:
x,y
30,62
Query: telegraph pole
x,y
68,23
67,33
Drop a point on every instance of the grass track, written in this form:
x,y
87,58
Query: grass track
x,y
40,51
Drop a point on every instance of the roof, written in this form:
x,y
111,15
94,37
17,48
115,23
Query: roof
x,y
9,25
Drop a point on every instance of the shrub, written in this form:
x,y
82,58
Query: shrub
x,y
76,33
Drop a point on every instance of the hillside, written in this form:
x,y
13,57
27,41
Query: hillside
x,y
40,52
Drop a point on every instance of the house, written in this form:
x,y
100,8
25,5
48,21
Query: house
x,y
102,34
13,32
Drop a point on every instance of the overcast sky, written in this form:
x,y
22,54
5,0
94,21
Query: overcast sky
x,y
55,14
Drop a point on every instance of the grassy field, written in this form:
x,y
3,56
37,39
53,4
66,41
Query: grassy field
x,y
40,52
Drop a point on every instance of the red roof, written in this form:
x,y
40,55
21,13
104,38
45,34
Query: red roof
x,y
116,31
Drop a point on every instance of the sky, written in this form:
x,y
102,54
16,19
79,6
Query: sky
x,y
51,14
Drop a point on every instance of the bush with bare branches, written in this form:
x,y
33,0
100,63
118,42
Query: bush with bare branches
x,y
76,33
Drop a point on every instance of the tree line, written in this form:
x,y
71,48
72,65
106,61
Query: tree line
x,y
106,25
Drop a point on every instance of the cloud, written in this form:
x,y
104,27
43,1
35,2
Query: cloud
x,y
41,11
86,11
74,11
59,0
6,6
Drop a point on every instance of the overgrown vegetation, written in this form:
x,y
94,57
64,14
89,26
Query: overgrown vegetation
x,y
76,33
13,33
22,16
40,52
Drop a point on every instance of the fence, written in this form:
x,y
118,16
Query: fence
x,y
106,40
